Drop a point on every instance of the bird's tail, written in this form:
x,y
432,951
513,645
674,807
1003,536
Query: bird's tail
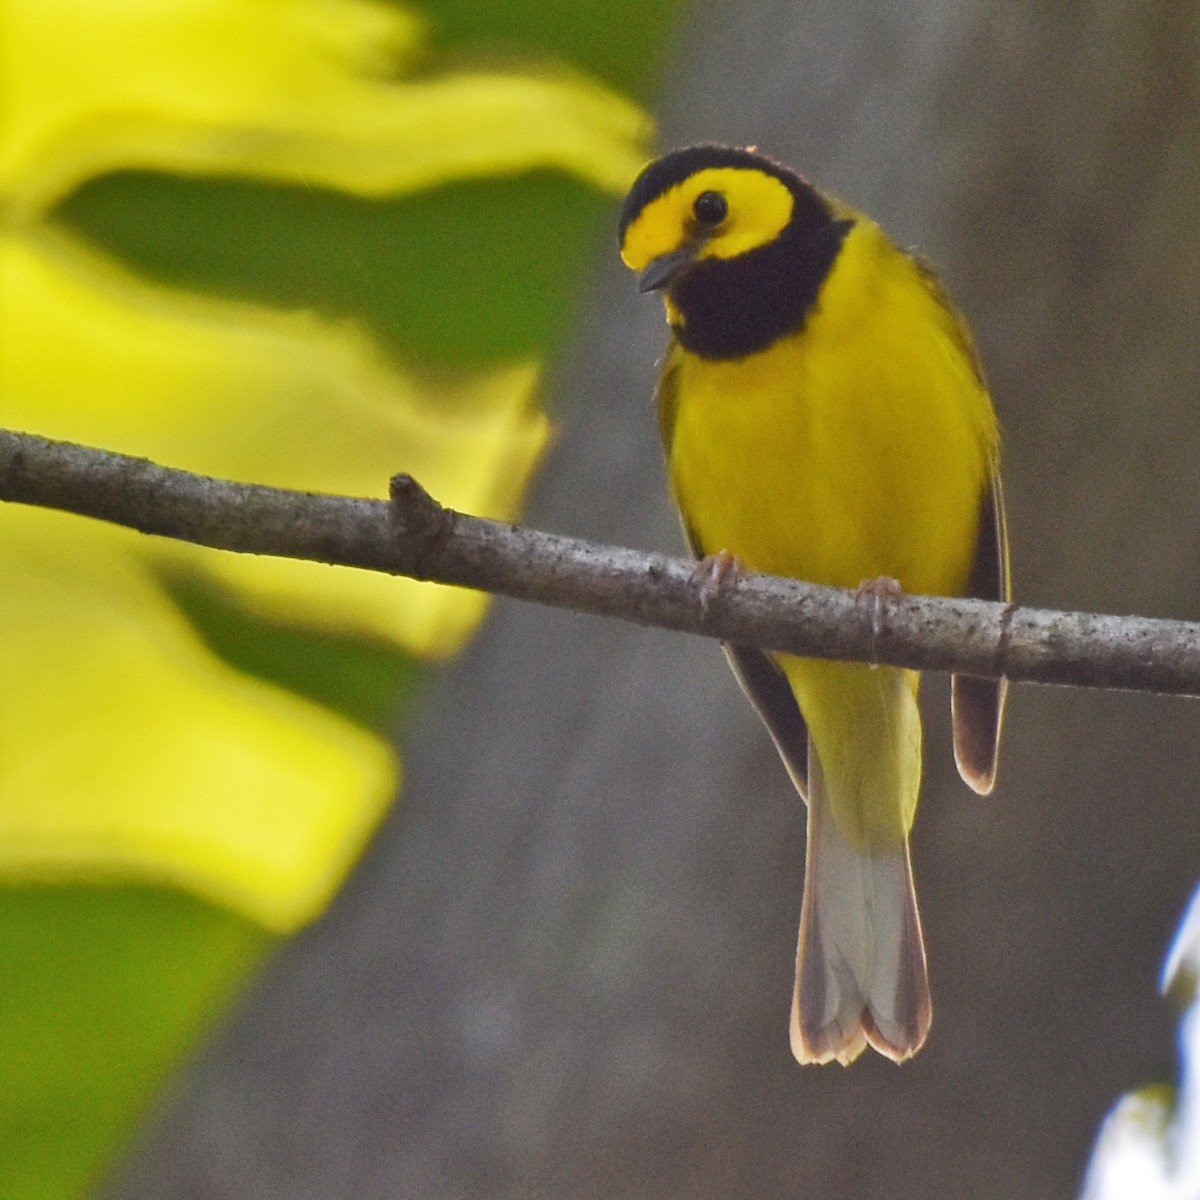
x,y
860,967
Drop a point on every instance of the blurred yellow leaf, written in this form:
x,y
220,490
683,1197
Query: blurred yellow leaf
x,y
247,393
300,90
129,750
126,748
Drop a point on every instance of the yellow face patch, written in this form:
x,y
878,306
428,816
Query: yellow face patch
x,y
760,206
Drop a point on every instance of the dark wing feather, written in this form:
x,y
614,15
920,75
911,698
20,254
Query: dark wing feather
x,y
762,681
977,704
769,692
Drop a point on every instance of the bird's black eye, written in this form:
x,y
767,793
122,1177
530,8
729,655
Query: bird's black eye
x,y
711,208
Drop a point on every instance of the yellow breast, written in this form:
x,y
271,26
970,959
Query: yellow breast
x,y
859,447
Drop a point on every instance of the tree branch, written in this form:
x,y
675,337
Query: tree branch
x,y
414,535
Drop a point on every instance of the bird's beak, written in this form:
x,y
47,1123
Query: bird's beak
x,y
665,267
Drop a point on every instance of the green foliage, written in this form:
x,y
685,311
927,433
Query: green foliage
x,y
105,990
367,681
459,276
622,43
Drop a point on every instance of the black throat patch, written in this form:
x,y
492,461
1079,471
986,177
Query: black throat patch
x,y
732,307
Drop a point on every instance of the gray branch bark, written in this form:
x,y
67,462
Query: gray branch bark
x,y
416,536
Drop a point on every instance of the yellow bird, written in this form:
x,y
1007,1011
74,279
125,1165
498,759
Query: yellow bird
x,y
824,417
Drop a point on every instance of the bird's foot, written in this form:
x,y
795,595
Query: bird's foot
x,y
879,591
713,573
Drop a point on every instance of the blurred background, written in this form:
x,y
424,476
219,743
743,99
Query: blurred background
x,y
563,966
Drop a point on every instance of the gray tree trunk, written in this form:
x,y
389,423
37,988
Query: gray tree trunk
x,y
564,969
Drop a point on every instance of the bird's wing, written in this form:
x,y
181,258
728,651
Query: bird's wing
x,y
667,396
771,694
762,681
977,704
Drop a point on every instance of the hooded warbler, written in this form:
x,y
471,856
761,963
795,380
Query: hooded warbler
x,y
824,417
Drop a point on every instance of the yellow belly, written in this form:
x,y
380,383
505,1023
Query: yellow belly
x,y
860,447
